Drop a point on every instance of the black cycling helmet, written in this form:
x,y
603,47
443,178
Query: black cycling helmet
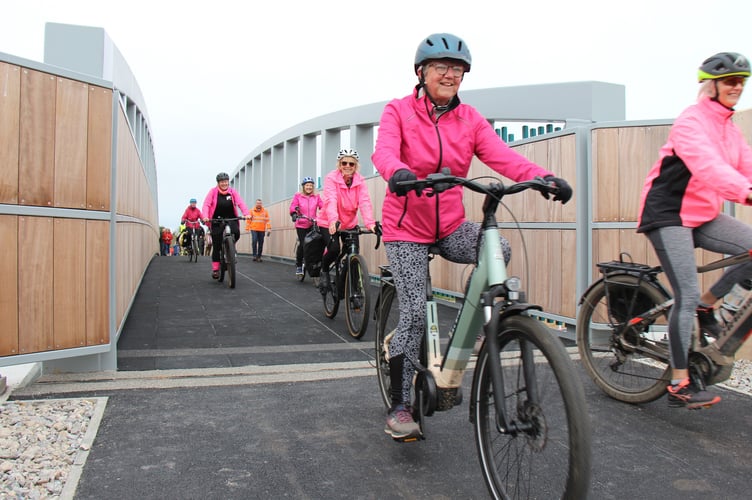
x,y
222,176
722,65
442,46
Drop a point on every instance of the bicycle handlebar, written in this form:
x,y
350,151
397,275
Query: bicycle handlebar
x,y
441,181
355,230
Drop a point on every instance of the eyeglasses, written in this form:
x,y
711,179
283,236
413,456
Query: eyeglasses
x,y
347,163
442,69
733,81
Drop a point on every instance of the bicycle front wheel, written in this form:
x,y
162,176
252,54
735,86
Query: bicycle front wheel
x,y
299,277
357,296
545,452
194,250
387,317
629,364
230,260
331,297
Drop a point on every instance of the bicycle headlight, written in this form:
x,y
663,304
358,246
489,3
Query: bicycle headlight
x,y
513,285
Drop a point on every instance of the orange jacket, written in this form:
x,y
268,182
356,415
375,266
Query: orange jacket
x,y
258,220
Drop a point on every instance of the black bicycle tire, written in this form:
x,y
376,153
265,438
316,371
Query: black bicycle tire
x,y
194,249
331,299
631,370
386,322
357,296
508,460
299,277
230,260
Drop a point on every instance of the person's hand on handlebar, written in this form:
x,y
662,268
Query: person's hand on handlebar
x,y
401,175
565,190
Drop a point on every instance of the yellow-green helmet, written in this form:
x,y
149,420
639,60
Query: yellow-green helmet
x,y
722,65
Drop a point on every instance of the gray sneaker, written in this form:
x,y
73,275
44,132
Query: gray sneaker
x,y
400,424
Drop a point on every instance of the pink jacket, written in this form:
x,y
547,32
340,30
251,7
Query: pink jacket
x,y
210,202
191,216
705,161
309,206
410,138
341,202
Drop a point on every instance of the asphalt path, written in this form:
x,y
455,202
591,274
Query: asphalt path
x,y
252,393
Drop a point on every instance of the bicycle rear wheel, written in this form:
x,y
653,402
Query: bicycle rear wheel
x,y
627,363
357,296
546,451
387,317
230,260
331,297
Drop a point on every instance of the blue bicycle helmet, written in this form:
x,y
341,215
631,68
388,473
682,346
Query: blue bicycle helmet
x,y
442,46
306,180
193,200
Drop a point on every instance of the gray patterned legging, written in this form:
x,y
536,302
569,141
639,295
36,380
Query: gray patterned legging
x,y
409,262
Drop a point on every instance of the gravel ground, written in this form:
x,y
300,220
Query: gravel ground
x,y
44,443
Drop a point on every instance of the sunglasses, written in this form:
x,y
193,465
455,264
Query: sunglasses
x,y
346,163
733,81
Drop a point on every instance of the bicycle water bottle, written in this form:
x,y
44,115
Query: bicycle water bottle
x,y
733,299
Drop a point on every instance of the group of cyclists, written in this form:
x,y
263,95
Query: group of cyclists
x,y
705,161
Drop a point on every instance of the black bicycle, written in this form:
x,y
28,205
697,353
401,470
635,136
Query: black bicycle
x,y
228,256
193,247
351,282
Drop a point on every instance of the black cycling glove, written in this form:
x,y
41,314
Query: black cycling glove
x,y
401,175
565,190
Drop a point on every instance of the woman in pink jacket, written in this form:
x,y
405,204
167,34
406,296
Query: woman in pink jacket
x,y
418,135
308,203
345,192
223,202
705,161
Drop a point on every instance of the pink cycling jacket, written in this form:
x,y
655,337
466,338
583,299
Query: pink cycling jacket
x,y
191,216
409,137
309,206
210,202
705,161
341,203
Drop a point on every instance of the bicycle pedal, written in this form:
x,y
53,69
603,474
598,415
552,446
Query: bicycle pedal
x,y
410,439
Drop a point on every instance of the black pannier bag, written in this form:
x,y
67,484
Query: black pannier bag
x,y
313,250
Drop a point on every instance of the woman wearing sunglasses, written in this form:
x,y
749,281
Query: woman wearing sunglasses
x,y
705,162
345,192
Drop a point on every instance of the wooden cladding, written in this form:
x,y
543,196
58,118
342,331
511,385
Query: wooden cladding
x,y
56,138
56,284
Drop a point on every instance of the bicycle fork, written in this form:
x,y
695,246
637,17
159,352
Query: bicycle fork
x,y
493,315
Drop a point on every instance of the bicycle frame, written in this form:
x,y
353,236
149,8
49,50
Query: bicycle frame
x,y
487,282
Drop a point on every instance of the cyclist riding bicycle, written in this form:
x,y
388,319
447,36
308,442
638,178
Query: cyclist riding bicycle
x,y
305,202
705,161
223,202
419,135
345,192
191,218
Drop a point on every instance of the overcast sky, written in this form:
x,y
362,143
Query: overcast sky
x,y
221,77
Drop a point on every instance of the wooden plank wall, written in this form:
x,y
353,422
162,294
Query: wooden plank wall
x,y
56,152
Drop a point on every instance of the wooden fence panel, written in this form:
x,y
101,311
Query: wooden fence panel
x,y
37,138
35,284
10,107
71,117
69,283
99,149
9,290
